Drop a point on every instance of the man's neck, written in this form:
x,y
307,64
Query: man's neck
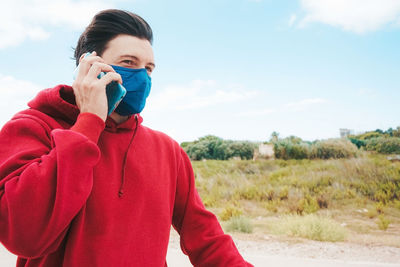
x,y
118,118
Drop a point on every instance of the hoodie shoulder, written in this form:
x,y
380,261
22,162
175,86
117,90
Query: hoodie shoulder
x,y
50,110
159,137
57,102
47,122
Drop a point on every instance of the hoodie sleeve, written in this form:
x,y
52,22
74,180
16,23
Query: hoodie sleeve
x,y
45,179
201,235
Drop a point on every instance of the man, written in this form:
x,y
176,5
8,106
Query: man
x,y
80,188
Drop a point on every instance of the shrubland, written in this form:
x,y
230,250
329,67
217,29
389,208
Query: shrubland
x,y
327,190
385,142
213,147
280,188
295,148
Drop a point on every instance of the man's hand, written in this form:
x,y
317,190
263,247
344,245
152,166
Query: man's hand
x,y
90,91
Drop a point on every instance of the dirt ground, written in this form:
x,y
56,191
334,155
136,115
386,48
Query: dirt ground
x,y
264,250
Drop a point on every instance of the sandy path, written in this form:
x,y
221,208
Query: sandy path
x,y
175,258
270,252
6,258
284,254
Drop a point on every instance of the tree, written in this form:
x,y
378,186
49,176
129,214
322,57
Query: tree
x,y
213,147
274,137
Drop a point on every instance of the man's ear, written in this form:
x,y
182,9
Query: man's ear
x,y
81,57
87,53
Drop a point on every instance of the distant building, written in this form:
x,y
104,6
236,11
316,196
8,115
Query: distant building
x,y
345,132
264,151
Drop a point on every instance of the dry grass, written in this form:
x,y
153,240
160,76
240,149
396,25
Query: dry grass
x,y
239,224
310,226
353,191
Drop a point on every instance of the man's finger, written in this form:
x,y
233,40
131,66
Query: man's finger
x,y
98,67
111,76
86,63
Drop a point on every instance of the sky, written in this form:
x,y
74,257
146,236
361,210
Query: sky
x,y
237,69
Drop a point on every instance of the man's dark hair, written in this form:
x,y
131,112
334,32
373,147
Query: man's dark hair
x,y
105,26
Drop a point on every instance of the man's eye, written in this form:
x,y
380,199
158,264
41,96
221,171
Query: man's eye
x,y
149,69
129,62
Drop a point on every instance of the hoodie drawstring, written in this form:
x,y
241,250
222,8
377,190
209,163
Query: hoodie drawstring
x,y
121,188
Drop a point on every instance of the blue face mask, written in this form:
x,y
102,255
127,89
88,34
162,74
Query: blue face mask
x,y
137,84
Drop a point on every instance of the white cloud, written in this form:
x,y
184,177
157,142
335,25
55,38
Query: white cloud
x,y
37,33
367,93
288,107
358,16
14,95
30,19
260,112
303,104
197,94
292,20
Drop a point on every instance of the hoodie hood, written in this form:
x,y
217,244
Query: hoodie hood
x,y
59,103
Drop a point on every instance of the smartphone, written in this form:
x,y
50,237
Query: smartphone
x,y
115,92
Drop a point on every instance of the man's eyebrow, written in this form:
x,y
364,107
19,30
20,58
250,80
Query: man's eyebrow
x,y
136,58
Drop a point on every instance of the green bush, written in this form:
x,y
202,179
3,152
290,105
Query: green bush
x,y
359,143
380,207
378,133
305,205
333,149
213,147
378,140
239,224
289,149
310,226
385,145
230,149
382,222
230,212
369,135
372,213
294,148
252,193
272,205
198,151
396,204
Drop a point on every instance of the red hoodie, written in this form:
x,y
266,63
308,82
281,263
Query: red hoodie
x,y
75,191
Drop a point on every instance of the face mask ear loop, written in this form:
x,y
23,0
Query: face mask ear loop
x,y
121,188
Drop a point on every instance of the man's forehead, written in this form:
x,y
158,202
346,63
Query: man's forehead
x,y
131,46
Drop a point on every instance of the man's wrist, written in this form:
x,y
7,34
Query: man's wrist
x,y
90,125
